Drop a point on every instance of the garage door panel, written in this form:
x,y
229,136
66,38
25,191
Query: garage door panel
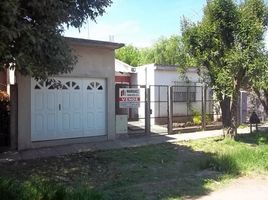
x,y
77,121
99,100
66,121
66,100
39,122
51,102
89,100
100,124
77,101
51,122
38,101
89,121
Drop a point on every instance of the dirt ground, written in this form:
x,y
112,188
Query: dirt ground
x,y
244,188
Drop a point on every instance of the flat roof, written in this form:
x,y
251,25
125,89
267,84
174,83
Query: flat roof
x,y
94,43
168,67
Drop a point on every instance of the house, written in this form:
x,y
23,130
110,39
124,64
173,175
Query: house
x,y
124,73
186,92
81,109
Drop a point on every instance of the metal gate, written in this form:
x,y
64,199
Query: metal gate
x,y
159,108
133,118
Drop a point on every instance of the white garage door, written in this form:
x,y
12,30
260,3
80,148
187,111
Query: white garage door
x,y
68,108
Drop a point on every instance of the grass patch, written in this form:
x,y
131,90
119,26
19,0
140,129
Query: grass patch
x,y
248,154
164,171
42,190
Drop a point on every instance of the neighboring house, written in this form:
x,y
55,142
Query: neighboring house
x,y
125,75
252,103
187,91
81,109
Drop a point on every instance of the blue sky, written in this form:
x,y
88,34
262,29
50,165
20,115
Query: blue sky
x,y
140,22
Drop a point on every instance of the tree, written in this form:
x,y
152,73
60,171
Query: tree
x,y
165,51
227,43
31,33
129,54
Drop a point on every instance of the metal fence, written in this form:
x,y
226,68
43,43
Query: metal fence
x,y
183,108
159,108
186,107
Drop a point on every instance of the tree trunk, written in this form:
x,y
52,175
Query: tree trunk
x,y
226,112
232,130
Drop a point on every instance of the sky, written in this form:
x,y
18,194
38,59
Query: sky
x,y
140,22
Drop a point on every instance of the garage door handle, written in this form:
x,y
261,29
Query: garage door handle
x,y
59,107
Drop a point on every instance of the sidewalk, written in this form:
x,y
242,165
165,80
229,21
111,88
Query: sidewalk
x,y
105,145
246,188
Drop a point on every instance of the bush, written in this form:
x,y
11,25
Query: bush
x,y
4,100
197,118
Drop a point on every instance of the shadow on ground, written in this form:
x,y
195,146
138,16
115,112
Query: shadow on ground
x,y
255,138
163,171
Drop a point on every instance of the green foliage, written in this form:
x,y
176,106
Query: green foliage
x,y
197,118
129,54
31,33
165,51
42,190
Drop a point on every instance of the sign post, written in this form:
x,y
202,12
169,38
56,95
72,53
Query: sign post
x,y
129,97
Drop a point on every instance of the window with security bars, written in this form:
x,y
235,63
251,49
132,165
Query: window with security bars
x,y
184,93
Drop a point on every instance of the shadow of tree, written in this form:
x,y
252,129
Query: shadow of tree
x,y
150,172
255,138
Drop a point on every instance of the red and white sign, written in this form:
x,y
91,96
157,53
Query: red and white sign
x,y
129,97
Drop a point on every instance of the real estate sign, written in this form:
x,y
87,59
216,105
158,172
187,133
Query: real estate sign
x,y
129,97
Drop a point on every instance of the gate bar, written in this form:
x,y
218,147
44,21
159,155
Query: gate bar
x,y
170,109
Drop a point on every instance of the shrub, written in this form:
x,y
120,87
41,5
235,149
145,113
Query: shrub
x,y
197,118
4,100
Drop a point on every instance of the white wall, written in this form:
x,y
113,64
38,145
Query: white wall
x,y
179,108
145,77
151,75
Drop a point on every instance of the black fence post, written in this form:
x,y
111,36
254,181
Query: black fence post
x,y
170,109
13,116
147,111
204,106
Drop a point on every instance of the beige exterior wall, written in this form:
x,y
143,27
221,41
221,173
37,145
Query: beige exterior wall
x,y
93,62
24,111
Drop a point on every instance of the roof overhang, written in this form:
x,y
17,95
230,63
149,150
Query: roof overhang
x,y
94,43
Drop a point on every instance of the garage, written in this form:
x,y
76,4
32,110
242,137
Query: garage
x,y
68,108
